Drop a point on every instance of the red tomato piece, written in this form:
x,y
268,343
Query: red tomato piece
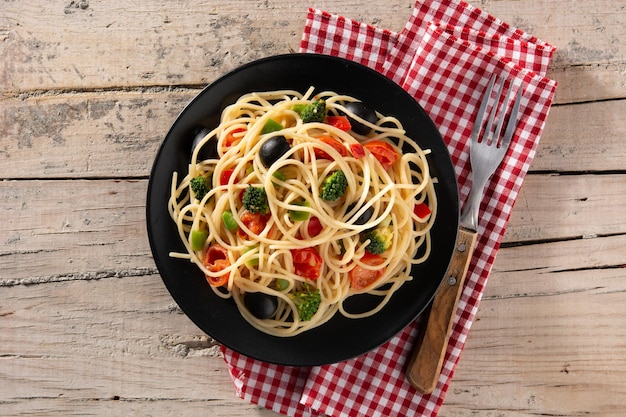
x,y
384,152
422,210
357,150
233,137
314,227
340,122
225,176
307,263
215,260
338,146
361,277
256,222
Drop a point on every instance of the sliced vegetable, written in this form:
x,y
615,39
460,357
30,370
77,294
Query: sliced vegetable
x,y
229,221
314,226
279,175
209,150
198,237
357,150
340,122
233,137
299,215
363,218
273,149
307,263
216,260
261,305
281,284
225,176
338,146
422,210
252,261
271,126
361,277
361,110
384,152
255,222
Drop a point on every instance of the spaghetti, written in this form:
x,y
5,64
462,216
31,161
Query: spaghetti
x,y
301,249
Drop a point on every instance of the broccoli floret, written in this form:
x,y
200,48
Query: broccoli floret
x,y
334,186
313,112
199,187
380,238
307,302
255,200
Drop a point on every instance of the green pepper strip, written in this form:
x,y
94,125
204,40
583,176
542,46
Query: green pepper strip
x,y
198,237
271,126
297,215
229,221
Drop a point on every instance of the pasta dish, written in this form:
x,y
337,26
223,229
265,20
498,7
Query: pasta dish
x,y
297,202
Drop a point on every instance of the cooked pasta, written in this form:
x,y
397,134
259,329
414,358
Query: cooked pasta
x,y
278,234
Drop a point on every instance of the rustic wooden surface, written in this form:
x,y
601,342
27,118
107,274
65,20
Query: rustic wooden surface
x,y
87,91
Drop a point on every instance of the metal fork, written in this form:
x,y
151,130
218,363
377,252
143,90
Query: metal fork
x,y
486,154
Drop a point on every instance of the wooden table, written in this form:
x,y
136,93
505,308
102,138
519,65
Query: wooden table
x,y
88,90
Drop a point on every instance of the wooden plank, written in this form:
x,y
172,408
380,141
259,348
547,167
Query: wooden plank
x,y
583,137
568,206
180,42
64,230
565,354
589,41
46,47
108,347
61,238
86,135
557,267
122,345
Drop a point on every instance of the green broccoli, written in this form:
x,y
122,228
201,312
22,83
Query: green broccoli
x,y
307,302
313,112
334,186
199,186
380,237
255,200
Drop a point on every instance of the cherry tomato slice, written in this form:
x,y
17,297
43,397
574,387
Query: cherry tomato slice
x,y
225,176
307,263
340,122
215,260
256,222
314,227
357,150
360,277
421,210
384,152
233,137
338,146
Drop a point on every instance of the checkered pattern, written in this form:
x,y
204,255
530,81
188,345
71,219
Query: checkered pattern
x,y
444,57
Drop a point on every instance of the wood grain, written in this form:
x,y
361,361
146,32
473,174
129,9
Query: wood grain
x,y
90,135
89,88
429,351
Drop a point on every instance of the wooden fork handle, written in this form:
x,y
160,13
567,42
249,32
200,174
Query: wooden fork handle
x,y
425,364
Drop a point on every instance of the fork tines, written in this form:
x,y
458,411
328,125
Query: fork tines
x,y
495,110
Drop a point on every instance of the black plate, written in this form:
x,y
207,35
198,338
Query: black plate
x,y
340,338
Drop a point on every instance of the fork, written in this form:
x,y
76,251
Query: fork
x,y
486,154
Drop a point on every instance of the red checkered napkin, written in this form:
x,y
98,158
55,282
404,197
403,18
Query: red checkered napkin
x,y
444,57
